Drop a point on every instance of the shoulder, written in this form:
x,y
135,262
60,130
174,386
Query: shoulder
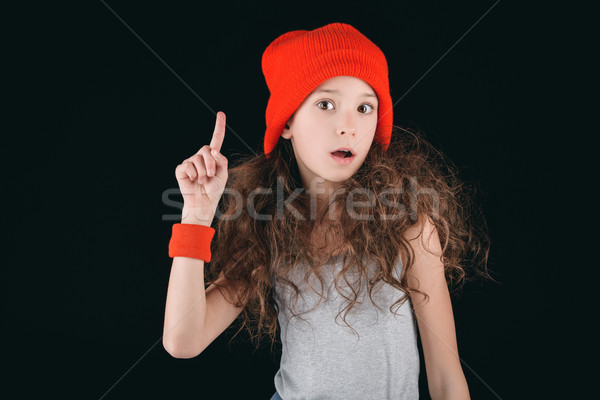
x,y
427,268
423,236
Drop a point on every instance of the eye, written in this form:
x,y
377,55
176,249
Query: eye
x,y
323,101
368,105
329,101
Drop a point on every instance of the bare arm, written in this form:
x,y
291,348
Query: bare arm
x,y
445,377
185,309
195,317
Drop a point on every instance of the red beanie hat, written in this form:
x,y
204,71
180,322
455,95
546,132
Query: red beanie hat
x,y
297,62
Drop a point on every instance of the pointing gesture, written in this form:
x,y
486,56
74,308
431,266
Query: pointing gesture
x,y
203,176
219,132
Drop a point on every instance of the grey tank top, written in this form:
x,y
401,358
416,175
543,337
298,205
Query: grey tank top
x,y
322,358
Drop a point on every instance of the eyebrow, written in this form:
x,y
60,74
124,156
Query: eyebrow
x,y
338,92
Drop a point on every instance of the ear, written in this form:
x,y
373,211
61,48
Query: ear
x,y
287,133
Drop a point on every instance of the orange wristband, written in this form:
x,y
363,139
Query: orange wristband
x,y
191,240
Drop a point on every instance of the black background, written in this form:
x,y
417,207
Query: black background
x,y
102,123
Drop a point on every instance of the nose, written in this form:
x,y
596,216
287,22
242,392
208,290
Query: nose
x,y
346,123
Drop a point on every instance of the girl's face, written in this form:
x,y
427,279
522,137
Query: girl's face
x,y
340,112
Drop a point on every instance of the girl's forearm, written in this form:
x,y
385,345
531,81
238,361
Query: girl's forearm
x,y
185,309
452,389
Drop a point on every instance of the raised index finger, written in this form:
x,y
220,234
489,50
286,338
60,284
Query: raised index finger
x,y
219,132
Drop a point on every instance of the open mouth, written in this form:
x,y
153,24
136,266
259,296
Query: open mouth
x,y
343,156
342,153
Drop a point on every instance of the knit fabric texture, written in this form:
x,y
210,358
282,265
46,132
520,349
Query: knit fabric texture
x,y
297,62
191,240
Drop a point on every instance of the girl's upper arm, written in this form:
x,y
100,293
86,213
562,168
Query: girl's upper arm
x,y
434,317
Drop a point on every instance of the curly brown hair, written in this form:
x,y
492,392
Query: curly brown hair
x,y
263,241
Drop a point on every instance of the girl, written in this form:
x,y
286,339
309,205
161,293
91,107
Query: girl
x,y
337,208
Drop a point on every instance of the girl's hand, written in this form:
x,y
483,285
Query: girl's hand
x,y
203,176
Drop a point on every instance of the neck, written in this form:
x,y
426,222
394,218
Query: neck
x,y
320,190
